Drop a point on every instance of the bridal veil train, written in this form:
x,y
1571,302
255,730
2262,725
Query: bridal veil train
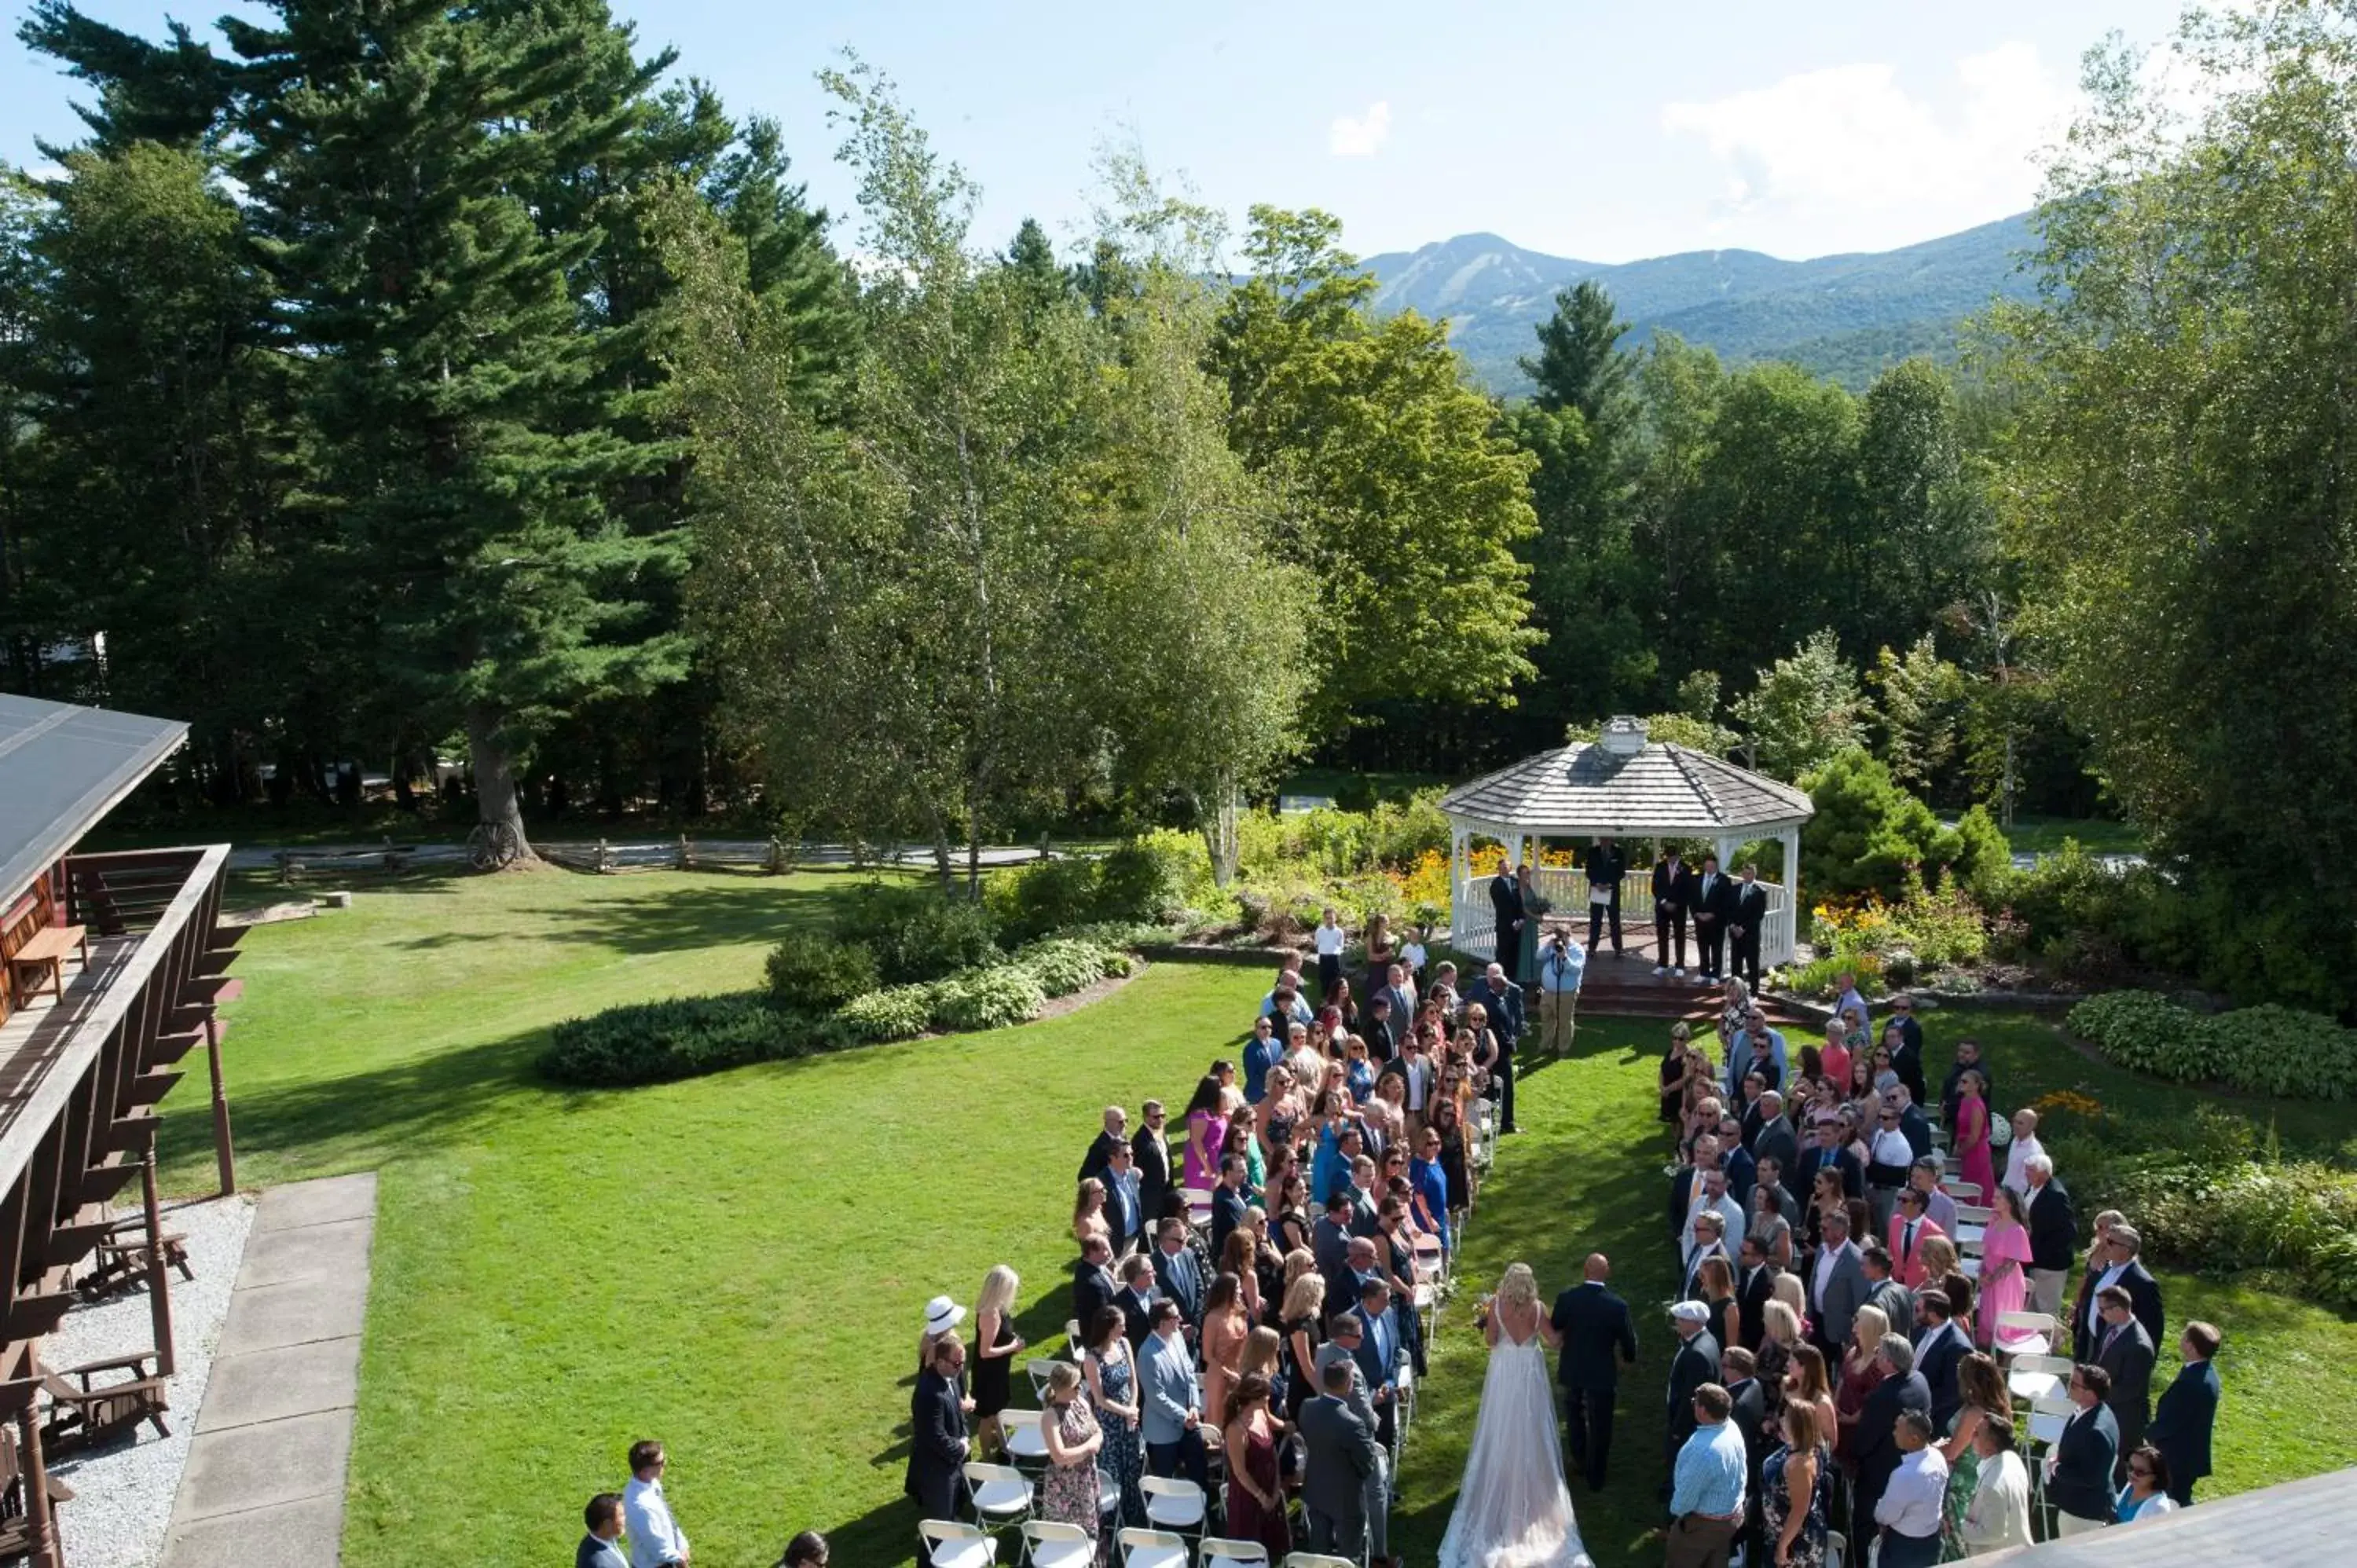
x,y
1512,1508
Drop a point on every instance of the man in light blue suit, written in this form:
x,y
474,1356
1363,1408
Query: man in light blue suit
x,y
1174,1402
1381,1355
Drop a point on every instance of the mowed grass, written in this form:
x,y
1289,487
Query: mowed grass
x,y
735,1264
1586,1176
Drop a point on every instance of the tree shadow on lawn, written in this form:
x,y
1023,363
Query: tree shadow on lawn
x,y
667,919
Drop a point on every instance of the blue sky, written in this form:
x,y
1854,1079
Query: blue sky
x,y
1607,131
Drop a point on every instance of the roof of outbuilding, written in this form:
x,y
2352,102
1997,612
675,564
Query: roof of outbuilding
x,y
1662,789
61,768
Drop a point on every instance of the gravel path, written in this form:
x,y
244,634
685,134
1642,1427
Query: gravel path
x,y
124,1494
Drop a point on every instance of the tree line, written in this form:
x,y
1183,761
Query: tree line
x,y
416,383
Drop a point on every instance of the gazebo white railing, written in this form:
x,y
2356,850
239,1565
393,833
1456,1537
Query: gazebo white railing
x,y
1473,922
1637,793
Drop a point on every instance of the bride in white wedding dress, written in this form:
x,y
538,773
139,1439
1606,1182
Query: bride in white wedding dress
x,y
1512,1508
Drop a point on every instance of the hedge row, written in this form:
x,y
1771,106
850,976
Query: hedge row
x,y
656,1042
2266,1050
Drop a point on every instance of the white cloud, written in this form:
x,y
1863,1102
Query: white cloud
x,y
1846,159
1361,137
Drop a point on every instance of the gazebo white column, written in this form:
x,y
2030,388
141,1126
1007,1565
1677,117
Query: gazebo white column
x,y
1790,839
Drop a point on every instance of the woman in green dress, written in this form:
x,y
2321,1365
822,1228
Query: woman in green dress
x,y
1981,1383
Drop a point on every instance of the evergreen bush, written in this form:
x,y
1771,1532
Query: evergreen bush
x,y
810,972
918,933
655,1042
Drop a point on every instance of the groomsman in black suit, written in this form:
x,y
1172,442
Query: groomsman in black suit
x,y
1092,1283
1746,914
1506,908
1674,896
1595,1327
1713,910
1606,865
1151,1154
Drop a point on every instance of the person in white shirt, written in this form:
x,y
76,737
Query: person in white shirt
x,y
2024,1148
656,1540
1711,1197
1908,1511
1329,938
1414,954
1996,1519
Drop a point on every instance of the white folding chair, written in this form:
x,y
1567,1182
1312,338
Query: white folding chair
x,y
1071,1341
946,1543
1000,1494
1172,1503
1963,1191
1315,1560
1046,1544
1969,1266
1199,1205
2024,1334
1026,1443
2047,1420
1041,1368
1151,1548
1836,1550
2034,1377
1217,1550
1972,1213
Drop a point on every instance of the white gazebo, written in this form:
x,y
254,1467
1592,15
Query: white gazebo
x,y
1631,788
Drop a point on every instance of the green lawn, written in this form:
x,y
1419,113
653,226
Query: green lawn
x,y
2096,835
735,1264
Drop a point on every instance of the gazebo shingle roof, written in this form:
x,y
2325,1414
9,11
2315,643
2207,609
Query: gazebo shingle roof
x,y
1662,789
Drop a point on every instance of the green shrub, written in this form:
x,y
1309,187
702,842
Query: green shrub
x,y
2282,1052
987,999
895,1013
1867,832
654,1042
1145,879
2266,1050
813,973
1028,901
1984,865
1062,965
918,933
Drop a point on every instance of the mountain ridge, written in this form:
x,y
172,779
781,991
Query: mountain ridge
x,y
1847,314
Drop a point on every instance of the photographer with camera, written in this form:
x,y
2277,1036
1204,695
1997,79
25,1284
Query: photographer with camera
x,y
1562,962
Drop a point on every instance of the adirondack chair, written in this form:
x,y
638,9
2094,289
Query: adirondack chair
x,y
90,1414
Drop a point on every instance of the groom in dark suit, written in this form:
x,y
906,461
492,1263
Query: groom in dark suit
x,y
1594,1325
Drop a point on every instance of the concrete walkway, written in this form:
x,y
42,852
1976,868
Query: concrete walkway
x,y
264,1485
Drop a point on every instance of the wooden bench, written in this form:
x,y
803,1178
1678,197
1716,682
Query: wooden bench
x,y
47,948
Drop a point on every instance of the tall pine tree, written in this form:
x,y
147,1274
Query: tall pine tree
x,y
391,157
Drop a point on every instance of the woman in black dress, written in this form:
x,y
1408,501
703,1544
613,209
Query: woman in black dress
x,y
1305,1329
995,1345
1674,1072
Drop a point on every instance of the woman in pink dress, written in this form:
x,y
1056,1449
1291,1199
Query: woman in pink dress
x,y
1979,1167
2005,1255
1207,1131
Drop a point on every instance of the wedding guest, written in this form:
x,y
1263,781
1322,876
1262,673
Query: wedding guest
x,y
1795,1491
1909,1508
807,1549
938,1449
996,1346
1707,1483
1068,1491
2188,1411
2005,1267
1255,1491
1111,1373
1151,1153
604,1518
1997,1519
2079,1472
2019,1154
1329,939
2146,1496
1207,1131
1223,1340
